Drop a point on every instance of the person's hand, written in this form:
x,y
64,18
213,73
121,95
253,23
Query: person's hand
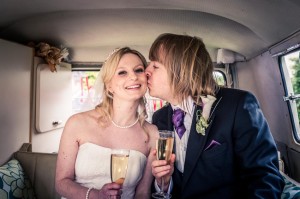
x,y
110,191
161,168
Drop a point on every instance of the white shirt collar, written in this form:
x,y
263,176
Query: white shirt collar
x,y
187,105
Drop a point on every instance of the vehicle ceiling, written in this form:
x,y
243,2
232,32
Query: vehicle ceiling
x,y
90,29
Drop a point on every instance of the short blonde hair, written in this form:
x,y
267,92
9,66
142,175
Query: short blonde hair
x,y
189,66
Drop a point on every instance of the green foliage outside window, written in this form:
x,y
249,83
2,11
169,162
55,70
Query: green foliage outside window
x,y
219,78
296,81
89,79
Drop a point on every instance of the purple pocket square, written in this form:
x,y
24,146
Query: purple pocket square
x,y
212,144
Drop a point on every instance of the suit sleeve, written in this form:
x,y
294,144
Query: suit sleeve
x,y
256,151
154,118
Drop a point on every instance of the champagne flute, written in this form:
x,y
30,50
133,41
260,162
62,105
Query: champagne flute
x,y
119,164
164,147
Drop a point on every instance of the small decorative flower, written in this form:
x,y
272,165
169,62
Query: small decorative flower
x,y
202,118
201,123
52,55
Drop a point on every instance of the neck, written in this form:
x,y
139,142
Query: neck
x,y
124,113
174,102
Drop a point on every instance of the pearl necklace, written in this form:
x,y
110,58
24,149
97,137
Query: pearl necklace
x,y
126,127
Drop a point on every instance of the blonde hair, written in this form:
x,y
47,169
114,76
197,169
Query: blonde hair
x,y
188,64
105,108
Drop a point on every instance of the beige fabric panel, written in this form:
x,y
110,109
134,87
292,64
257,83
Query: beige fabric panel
x,y
261,76
15,74
40,168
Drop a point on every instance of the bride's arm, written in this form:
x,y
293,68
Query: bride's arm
x,y
65,166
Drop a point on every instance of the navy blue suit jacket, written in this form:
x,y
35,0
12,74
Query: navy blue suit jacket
x,y
244,165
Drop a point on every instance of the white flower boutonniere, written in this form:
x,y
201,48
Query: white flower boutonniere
x,y
203,117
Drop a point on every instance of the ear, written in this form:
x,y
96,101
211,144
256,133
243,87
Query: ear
x,y
108,87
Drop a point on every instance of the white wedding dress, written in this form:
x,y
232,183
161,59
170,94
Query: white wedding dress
x,y
92,168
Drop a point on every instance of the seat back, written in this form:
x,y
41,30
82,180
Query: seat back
x,y
40,168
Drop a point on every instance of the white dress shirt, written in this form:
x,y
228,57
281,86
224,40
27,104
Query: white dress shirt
x,y
181,144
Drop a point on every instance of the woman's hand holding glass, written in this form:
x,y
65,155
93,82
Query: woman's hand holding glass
x,y
110,190
119,164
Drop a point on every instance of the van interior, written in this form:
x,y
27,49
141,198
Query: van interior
x,y
254,46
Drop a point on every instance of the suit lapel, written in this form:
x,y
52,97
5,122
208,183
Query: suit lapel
x,y
196,143
195,146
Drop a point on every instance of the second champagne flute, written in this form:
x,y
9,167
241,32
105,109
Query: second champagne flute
x,y
164,147
119,164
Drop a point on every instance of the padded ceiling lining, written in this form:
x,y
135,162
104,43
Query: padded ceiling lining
x,y
101,26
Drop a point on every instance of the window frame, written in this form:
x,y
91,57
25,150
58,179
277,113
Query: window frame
x,y
288,86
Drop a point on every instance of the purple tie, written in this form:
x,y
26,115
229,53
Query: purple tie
x,y
177,119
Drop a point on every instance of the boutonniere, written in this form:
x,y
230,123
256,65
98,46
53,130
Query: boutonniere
x,y
202,117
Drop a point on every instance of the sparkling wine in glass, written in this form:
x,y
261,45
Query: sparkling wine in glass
x,y
164,147
119,164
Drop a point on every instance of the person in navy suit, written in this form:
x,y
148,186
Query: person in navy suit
x,y
224,148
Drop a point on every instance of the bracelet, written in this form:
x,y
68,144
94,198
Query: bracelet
x,y
88,193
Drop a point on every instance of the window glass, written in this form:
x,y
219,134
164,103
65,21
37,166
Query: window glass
x,y
82,87
153,104
220,78
291,70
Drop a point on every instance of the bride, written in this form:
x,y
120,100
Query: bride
x,y
118,122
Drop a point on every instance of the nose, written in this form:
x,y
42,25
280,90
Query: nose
x,y
147,71
133,76
148,74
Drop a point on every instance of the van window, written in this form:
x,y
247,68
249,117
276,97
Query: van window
x,y
290,67
83,87
220,78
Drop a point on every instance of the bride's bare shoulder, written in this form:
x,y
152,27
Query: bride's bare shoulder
x,y
152,129
81,123
150,126
83,118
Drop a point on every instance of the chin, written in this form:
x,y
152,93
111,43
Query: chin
x,y
137,96
152,94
